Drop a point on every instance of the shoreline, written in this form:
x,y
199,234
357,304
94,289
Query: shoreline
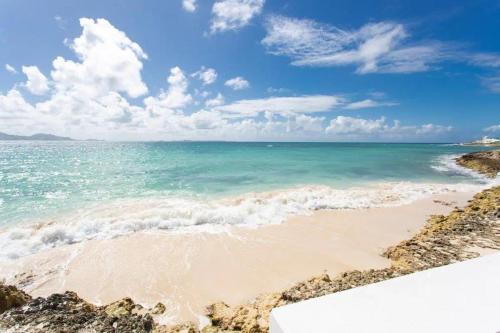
x,y
247,262
124,217
463,229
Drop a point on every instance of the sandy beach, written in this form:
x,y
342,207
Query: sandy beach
x,y
228,279
187,272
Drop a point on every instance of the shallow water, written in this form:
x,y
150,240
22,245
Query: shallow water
x,y
41,178
76,191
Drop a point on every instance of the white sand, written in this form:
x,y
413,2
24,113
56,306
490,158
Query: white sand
x,y
189,271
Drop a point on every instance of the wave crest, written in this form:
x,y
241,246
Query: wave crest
x,y
124,217
446,164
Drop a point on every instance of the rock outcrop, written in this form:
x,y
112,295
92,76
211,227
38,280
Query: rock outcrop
x,y
485,162
11,297
69,313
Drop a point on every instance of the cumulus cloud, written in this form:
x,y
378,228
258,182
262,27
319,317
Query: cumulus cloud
x,y
283,105
189,5
97,95
109,61
234,14
176,95
10,69
88,93
237,83
305,123
375,47
207,120
37,83
493,128
218,100
380,128
13,105
206,75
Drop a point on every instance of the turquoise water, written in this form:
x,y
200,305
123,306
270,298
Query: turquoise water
x,y
41,179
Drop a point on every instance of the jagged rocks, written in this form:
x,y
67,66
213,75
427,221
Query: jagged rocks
x,y
182,328
11,297
486,162
123,307
159,308
69,313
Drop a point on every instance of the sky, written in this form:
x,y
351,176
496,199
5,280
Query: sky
x,y
251,70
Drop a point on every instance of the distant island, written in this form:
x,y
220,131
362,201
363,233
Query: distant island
x,y
34,137
485,141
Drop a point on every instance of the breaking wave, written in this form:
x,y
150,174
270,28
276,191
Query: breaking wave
x,y
187,214
446,164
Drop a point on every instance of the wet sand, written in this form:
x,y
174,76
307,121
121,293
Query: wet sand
x,y
189,271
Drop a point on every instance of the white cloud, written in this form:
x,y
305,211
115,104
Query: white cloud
x,y
86,95
13,105
110,61
37,83
484,59
206,75
494,128
367,103
380,128
95,97
189,5
272,90
17,116
234,14
10,69
492,83
375,47
283,105
237,83
218,100
176,95
305,123
349,125
207,120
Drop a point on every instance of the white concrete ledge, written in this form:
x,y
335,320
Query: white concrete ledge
x,y
462,297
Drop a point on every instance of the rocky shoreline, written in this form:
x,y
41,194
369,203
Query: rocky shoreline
x,y
485,162
463,234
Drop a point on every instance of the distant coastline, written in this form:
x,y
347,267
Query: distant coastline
x,y
39,137
485,141
34,137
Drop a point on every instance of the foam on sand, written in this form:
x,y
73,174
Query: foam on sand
x,y
188,271
189,214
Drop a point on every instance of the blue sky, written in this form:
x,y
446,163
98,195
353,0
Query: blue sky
x,y
251,69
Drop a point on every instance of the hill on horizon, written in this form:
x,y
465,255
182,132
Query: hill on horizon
x,y
35,137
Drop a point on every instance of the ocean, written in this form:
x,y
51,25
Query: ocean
x,y
55,193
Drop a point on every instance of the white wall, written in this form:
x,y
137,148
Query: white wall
x,y
463,297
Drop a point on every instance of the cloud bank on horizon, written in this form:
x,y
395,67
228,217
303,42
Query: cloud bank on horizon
x,y
103,94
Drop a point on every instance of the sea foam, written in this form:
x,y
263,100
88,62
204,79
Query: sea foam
x,y
446,164
188,214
